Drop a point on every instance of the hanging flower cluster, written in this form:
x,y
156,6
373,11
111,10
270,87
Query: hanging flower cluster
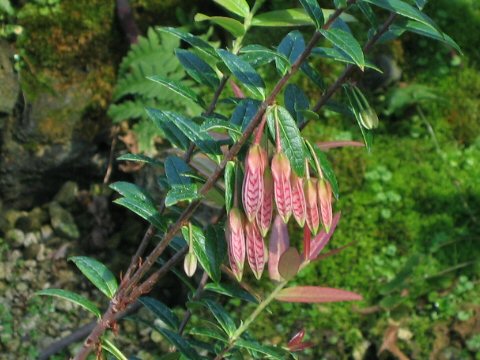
x,y
265,183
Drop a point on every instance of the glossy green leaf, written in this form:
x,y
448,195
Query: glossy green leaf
x,y
263,55
290,138
315,294
180,193
345,41
289,263
340,4
233,26
139,201
292,46
179,342
229,178
339,55
313,75
161,311
244,72
196,42
172,132
179,88
215,123
97,273
367,11
197,68
295,102
232,290
314,11
239,7
208,250
71,296
177,171
354,107
140,158
108,346
291,17
222,316
271,351
244,113
208,332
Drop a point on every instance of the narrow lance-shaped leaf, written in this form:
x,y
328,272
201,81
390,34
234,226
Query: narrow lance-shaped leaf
x,y
73,297
345,41
239,7
180,193
271,351
172,132
291,17
196,42
110,347
161,311
178,88
179,342
259,55
140,158
292,46
97,273
229,179
314,11
233,26
223,318
197,68
232,290
316,294
295,102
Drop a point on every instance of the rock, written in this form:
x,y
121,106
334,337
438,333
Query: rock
x,y
67,193
22,287
62,222
11,217
41,253
31,238
15,237
32,251
46,232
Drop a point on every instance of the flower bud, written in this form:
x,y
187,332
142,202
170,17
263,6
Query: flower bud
x,y
190,264
325,199
255,249
369,118
236,242
252,192
311,201
279,243
264,214
298,199
281,185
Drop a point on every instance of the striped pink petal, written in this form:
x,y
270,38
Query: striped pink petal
x,y
252,192
325,199
255,249
281,185
279,243
264,214
298,200
236,242
311,201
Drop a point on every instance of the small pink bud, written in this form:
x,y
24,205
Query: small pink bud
x,y
325,199
311,200
264,214
236,90
236,242
255,249
252,192
279,243
281,183
298,199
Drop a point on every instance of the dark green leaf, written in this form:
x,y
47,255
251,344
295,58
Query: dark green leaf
x,y
295,102
140,158
229,184
257,54
244,72
244,112
70,296
172,132
339,55
161,311
197,68
233,26
313,75
366,9
108,346
196,42
223,318
216,123
97,273
239,7
231,290
292,46
179,342
179,88
345,41
180,193
177,171
314,11
290,138
271,351
208,332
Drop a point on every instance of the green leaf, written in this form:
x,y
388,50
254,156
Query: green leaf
x,y
208,332
421,3
290,138
295,102
327,169
139,201
315,294
177,171
244,113
292,46
161,311
314,11
345,41
355,108
239,7
108,346
244,72
367,11
179,342
229,184
196,42
197,68
212,123
271,351
223,318
263,55
339,55
232,290
180,193
179,88
208,250
140,158
233,26
172,132
313,75
404,9
291,17
97,273
289,263
71,296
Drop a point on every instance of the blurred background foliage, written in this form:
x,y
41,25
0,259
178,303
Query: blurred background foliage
x,y
411,207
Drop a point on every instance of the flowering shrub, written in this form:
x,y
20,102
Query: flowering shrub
x,y
272,175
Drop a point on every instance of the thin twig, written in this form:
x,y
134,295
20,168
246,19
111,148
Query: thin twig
x,y
108,173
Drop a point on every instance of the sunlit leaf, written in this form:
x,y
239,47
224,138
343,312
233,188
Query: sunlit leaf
x,y
233,26
97,273
239,7
71,296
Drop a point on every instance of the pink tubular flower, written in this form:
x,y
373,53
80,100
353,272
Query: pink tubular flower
x,y
252,192
311,200
264,214
279,243
281,185
255,249
298,199
236,242
325,199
